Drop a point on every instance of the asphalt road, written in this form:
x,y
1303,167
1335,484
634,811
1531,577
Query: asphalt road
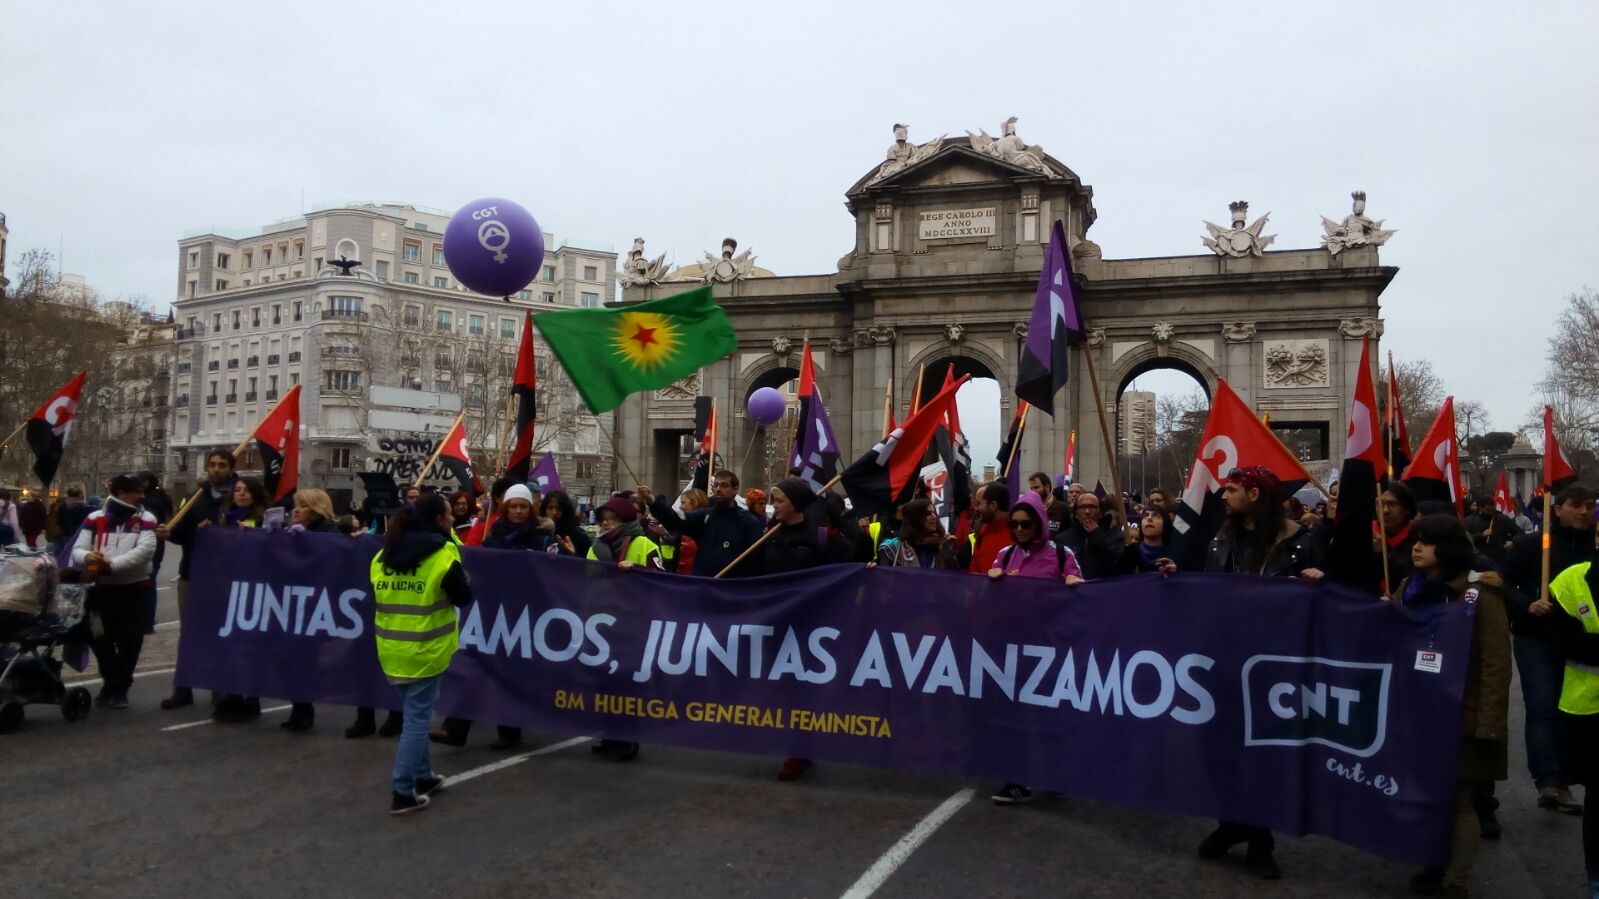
x,y
135,803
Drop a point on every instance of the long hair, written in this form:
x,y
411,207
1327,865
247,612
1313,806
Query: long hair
x,y
1269,516
567,520
911,530
1449,541
258,496
316,500
421,517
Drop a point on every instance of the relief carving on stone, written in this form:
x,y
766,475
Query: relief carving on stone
x,y
1020,330
1162,332
1237,332
1239,241
1360,327
684,388
902,154
954,332
839,346
1296,363
874,335
1096,336
638,271
1356,230
1012,149
727,269
782,345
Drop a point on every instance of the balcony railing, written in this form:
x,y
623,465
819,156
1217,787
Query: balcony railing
x,y
185,367
350,314
274,358
211,400
272,395
189,333
233,363
411,361
232,398
443,326
294,356
249,397
411,321
182,400
213,365
336,350
253,361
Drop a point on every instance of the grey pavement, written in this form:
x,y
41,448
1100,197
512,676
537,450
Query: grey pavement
x,y
116,805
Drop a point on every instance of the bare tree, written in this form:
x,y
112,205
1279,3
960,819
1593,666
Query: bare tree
x,y
1570,384
1421,394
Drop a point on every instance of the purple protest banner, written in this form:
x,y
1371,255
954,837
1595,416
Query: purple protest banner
x,y
1307,709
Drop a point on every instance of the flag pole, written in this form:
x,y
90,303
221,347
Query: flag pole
x,y
1021,426
916,392
13,435
1393,391
1548,509
888,407
1104,432
237,451
772,530
507,427
437,451
1313,481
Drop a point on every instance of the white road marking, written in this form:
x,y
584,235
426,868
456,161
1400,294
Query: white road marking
x,y
517,759
203,722
167,625
89,682
890,861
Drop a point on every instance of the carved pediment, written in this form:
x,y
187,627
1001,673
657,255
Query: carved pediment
x,y
956,163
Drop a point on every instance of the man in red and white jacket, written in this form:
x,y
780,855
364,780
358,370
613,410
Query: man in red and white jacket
x,y
115,548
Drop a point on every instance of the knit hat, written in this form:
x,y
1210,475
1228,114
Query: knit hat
x,y
800,495
1258,477
619,506
517,491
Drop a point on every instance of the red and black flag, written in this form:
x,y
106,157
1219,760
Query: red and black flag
x,y
1057,319
47,429
1557,470
277,439
1233,438
1434,475
705,452
1394,430
456,457
956,454
525,389
1351,560
885,478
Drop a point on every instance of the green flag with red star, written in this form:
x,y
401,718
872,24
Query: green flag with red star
x,y
610,353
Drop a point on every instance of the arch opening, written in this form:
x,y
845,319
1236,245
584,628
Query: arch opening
x,y
1161,408
978,404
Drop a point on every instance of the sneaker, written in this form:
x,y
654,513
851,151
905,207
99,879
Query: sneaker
x,y
1546,797
427,785
1567,803
117,702
392,725
297,725
181,696
445,738
1012,794
1264,864
793,769
102,697
403,803
606,747
1217,844
1488,826
363,727
628,752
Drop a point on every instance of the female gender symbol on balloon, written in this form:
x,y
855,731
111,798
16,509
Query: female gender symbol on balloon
x,y
493,246
766,406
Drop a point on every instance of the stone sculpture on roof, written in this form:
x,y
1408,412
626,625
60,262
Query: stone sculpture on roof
x,y
902,154
1239,241
638,271
1356,230
1012,149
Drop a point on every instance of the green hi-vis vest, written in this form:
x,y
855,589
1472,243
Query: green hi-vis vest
x,y
638,551
1579,695
414,621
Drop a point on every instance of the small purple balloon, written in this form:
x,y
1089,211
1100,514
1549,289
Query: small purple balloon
x,y
493,246
766,406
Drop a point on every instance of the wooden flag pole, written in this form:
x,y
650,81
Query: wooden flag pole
x,y
237,452
888,407
916,392
1021,427
7,442
507,426
772,530
435,457
1548,510
1104,432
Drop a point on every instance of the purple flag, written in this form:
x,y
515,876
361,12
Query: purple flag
x,y
1271,701
817,461
1099,491
545,475
1056,319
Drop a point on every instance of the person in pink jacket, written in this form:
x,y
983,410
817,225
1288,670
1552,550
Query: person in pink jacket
x,y
1031,552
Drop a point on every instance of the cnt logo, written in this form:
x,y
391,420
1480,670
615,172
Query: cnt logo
x,y
1299,700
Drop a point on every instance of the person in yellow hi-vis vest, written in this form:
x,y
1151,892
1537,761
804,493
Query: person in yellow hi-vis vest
x,y
417,584
623,543
1571,620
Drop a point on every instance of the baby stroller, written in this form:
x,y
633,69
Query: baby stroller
x,y
37,612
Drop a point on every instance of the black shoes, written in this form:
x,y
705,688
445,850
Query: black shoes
x,y
237,710
117,702
1264,864
1015,794
1429,881
363,727
392,725
620,750
426,785
297,725
445,738
181,696
504,743
1260,859
403,804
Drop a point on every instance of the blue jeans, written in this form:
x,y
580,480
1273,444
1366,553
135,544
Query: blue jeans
x,y
411,756
1543,671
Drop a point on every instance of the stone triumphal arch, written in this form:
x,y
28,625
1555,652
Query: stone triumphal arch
x,y
949,237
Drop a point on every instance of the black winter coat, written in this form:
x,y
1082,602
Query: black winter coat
x,y
1096,551
1523,570
1288,557
794,547
206,508
722,532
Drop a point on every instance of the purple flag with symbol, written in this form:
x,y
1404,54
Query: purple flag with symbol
x,y
545,475
1056,319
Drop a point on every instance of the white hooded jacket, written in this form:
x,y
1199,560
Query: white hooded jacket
x,y
128,549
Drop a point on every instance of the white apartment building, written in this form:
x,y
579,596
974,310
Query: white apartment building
x,y
260,312
1136,424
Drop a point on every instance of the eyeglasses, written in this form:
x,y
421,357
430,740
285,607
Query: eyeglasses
x,y
1019,523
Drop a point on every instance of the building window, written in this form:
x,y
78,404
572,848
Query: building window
x,y
266,255
222,260
344,380
508,328
297,310
299,250
249,259
413,316
412,251
585,470
589,299
440,281
221,284
216,322
474,325
526,295
549,273
591,273
277,313
411,278
438,254
549,296
344,306
444,320
383,270
236,319
441,386
341,458
255,316
294,379
194,259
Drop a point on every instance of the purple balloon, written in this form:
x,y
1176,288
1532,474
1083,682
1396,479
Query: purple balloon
x,y
493,246
767,406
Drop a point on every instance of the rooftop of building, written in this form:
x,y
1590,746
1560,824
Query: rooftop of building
x,y
420,218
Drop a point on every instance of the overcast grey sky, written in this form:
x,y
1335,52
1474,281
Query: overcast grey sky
x,y
1472,126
